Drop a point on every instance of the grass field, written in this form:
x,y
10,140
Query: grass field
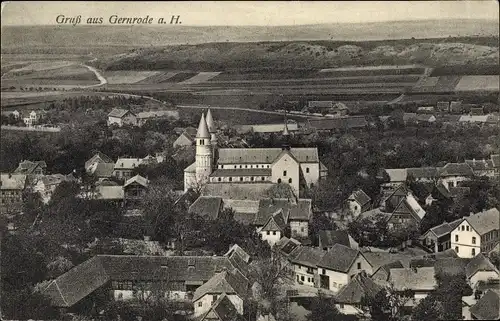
x,y
49,74
128,76
469,69
468,83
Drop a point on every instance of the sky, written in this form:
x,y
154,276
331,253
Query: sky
x,y
245,13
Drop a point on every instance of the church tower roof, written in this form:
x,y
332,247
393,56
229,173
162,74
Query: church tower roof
x,y
210,122
202,128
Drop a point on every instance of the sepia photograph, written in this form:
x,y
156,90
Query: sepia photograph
x,y
250,160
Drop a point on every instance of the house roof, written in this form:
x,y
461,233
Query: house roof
x,y
339,258
104,170
237,250
202,128
330,238
360,197
221,310
306,255
479,263
488,306
473,118
486,221
127,163
83,279
118,112
223,282
404,207
208,206
242,172
409,116
417,279
444,228
358,287
277,222
191,168
287,245
387,268
456,169
396,174
415,206
451,265
378,259
13,181
267,207
110,192
28,167
480,165
98,156
237,191
264,155
137,179
422,172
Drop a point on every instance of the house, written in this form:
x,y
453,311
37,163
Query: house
x,y
453,173
186,138
477,233
339,265
420,280
207,206
274,228
424,118
102,171
396,176
124,275
348,300
407,212
480,269
383,273
425,110
237,250
121,117
34,118
11,192
232,284
358,202
477,111
481,167
304,260
135,189
112,194
145,116
443,106
96,159
456,107
438,238
487,307
124,167
244,166
46,185
222,310
36,168
482,119
327,239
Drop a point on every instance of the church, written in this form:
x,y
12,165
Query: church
x,y
298,167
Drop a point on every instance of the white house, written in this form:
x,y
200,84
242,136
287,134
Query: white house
x,y
453,173
122,117
480,268
358,202
304,260
339,265
477,233
125,166
274,228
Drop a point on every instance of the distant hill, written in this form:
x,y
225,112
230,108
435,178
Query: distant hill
x,y
25,37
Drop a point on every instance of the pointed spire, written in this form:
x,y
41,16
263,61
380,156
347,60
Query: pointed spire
x,y
202,128
285,129
210,122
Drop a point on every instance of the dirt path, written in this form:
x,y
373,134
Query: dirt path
x,y
102,80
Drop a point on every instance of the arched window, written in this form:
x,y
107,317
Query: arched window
x,y
230,179
279,180
289,181
307,169
219,179
241,179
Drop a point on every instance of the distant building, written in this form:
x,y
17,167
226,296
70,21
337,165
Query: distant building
x,y
122,117
135,189
186,138
443,106
146,116
486,308
35,168
328,239
420,280
482,167
358,202
34,118
480,269
349,299
425,110
46,185
438,238
125,166
11,192
97,158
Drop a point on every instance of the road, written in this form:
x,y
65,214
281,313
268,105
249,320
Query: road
x,y
102,80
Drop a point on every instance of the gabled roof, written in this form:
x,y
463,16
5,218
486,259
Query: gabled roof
x,y
12,181
202,128
277,222
222,310
378,259
110,192
358,287
330,238
223,282
387,268
137,179
396,174
422,172
480,165
99,157
479,263
267,207
287,245
237,191
444,228
339,258
237,250
264,155
207,206
28,167
306,255
455,169
415,206
417,279
104,170
451,266
404,207
118,112
488,306
127,163
486,221
360,197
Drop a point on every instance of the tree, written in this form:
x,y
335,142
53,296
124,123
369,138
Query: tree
x,y
23,304
280,190
387,305
323,309
450,290
320,222
495,258
430,308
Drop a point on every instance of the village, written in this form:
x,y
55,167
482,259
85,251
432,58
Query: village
x,y
290,244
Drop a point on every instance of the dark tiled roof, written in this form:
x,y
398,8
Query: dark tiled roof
x,y
387,268
207,206
357,288
308,256
301,210
488,307
276,222
98,157
104,170
413,279
118,112
486,221
330,238
286,245
237,191
28,167
451,266
264,155
456,169
360,197
223,282
422,172
444,228
222,310
479,263
241,172
339,258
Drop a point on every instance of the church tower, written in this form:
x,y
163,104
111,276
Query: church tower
x,y
204,155
213,137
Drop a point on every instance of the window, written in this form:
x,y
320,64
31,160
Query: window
x,y
235,166
252,178
214,297
241,179
355,207
268,233
262,178
289,181
473,252
298,278
219,179
463,228
279,180
456,238
359,265
241,166
230,179
308,279
284,173
310,270
334,284
267,166
274,232
456,249
473,240
221,166
200,304
307,169
324,271
202,142
341,306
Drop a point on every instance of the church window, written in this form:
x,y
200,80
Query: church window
x,y
221,166
246,166
307,169
284,173
267,166
279,180
219,179
202,142
290,181
235,166
241,166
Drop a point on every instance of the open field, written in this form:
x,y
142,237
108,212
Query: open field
x,y
49,74
468,83
469,69
128,76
